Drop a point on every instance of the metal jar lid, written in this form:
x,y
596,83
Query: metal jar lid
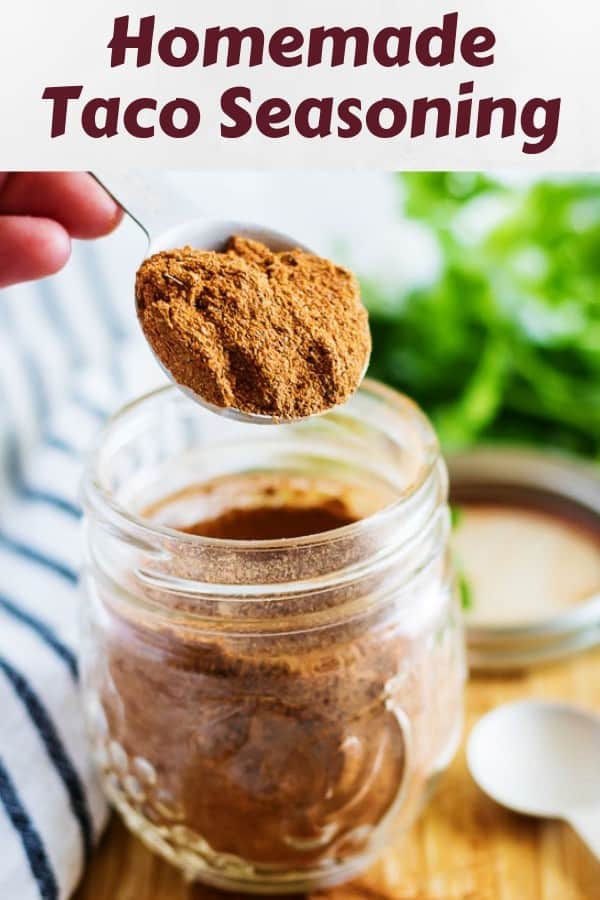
x,y
549,481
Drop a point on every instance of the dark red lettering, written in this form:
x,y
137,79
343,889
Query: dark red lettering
x,y
131,119
474,43
339,38
242,120
373,118
286,41
485,113
122,41
399,53
421,107
234,38
446,35
60,97
190,51
323,106
547,131
352,123
464,108
270,116
109,124
167,118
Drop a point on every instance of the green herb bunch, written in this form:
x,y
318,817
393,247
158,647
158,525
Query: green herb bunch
x,y
504,343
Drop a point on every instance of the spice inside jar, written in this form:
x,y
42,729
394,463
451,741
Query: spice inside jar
x,y
274,666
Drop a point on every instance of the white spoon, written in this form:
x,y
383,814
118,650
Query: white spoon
x,y
154,209
542,759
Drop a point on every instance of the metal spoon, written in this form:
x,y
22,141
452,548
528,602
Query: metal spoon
x,y
541,758
151,206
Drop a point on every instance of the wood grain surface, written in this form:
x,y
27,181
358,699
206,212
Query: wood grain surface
x,y
464,847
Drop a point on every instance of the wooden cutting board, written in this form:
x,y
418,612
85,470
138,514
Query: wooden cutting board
x,y
464,847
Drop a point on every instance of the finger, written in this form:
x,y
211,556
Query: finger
x,y
31,248
73,199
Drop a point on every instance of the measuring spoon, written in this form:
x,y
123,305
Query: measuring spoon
x,y
155,210
541,758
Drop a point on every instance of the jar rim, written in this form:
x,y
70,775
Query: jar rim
x,y
96,494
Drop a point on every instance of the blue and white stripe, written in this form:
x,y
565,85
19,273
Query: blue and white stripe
x,y
69,355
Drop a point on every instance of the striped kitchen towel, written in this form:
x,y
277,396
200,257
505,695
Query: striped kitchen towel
x,y
64,366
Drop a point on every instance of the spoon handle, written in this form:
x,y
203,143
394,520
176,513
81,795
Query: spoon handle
x,y
147,200
586,822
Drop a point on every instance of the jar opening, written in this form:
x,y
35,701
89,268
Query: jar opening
x,y
379,445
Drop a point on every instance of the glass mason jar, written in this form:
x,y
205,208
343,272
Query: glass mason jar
x,y
267,713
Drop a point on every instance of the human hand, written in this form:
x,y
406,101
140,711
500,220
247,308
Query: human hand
x,y
39,214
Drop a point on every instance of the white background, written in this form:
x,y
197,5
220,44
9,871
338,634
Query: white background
x,y
544,48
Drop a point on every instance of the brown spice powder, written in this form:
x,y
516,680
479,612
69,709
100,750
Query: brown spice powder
x,y
278,732
268,523
282,334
